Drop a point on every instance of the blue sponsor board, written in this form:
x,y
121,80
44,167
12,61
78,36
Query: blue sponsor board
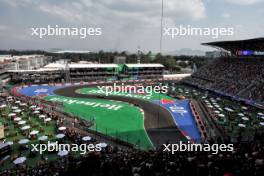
x,y
39,90
183,117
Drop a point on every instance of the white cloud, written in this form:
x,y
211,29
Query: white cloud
x,y
3,27
244,2
17,3
11,32
142,11
194,9
226,15
66,11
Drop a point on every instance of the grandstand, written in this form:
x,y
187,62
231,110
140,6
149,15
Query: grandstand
x,y
76,72
239,75
58,72
19,64
139,71
36,76
4,76
86,72
91,72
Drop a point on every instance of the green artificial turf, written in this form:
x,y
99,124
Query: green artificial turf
x,y
117,119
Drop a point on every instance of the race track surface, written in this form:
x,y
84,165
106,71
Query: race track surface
x,y
158,122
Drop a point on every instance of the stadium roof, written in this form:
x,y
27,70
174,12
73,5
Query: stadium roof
x,y
55,65
93,66
63,66
35,71
144,65
256,44
59,66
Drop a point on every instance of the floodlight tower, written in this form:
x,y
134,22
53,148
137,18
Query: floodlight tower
x,y
161,26
138,55
161,37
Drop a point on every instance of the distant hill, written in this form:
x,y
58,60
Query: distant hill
x,y
187,51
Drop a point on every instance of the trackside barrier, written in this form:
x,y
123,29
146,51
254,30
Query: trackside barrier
x,y
214,119
199,122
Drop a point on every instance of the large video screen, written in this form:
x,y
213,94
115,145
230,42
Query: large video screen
x,y
249,53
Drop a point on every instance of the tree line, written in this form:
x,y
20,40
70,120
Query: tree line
x,y
172,63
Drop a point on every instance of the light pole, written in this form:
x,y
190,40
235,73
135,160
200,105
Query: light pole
x,y
161,26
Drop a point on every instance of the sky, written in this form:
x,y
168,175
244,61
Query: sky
x,y
126,24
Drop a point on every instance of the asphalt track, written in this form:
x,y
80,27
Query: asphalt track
x,y
158,122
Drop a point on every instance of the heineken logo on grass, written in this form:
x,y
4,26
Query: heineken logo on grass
x,y
87,103
148,97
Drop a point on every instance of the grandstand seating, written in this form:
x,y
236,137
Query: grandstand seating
x,y
144,70
241,77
